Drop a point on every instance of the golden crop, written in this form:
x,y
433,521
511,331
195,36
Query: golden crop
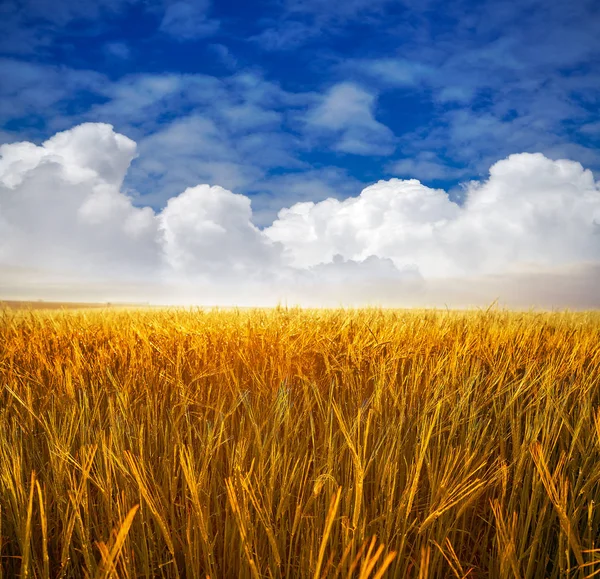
x,y
295,443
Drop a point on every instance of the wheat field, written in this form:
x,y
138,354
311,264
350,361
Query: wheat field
x,y
299,443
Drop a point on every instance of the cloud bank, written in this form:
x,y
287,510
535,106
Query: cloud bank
x,y
529,234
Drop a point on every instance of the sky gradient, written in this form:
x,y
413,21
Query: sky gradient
x,y
282,113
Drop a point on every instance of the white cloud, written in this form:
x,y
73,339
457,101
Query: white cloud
x,y
208,231
62,210
345,114
399,220
531,210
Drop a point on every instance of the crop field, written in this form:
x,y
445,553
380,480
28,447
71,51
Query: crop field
x,y
299,443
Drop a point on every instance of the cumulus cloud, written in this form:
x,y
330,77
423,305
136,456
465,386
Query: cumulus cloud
x,y
208,231
531,210
400,220
64,215
61,205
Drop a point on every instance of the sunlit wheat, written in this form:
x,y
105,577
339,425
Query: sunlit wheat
x,y
299,443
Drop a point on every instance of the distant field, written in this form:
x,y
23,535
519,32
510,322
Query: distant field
x,y
44,305
298,443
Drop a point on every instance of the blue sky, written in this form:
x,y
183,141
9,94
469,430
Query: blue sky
x,y
286,101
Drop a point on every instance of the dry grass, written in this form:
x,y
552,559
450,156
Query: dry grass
x,y
291,443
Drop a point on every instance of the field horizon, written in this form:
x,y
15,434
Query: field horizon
x,y
57,305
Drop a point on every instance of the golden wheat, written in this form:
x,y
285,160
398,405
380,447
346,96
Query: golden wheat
x,y
296,443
